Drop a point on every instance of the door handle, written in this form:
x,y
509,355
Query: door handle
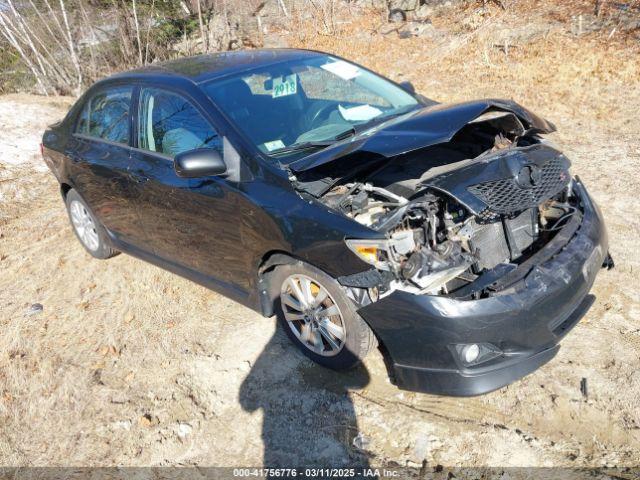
x,y
139,177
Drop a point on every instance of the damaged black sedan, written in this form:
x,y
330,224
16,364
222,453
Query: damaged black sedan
x,y
357,211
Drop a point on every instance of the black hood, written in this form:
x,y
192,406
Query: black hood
x,y
422,128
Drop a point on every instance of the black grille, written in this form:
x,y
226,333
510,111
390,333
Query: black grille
x,y
506,196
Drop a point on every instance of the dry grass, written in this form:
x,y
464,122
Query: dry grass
x,y
130,365
547,67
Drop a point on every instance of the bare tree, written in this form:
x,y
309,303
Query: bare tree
x,y
324,13
8,34
66,44
72,50
146,43
599,5
205,37
137,25
283,7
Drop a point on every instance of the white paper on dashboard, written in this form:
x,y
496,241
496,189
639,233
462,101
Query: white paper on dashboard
x,y
359,113
273,145
342,69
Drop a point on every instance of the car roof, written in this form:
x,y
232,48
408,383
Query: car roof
x,y
202,68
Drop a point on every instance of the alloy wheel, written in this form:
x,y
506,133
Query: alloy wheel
x,y
312,315
84,225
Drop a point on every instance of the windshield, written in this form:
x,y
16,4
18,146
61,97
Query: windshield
x,y
289,109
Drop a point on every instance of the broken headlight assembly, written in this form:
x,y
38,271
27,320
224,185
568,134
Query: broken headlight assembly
x,y
417,264
374,252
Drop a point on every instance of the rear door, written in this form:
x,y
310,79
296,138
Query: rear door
x,y
192,223
99,159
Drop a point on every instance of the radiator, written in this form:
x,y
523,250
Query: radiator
x,y
490,242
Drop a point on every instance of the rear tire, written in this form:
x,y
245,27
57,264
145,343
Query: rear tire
x,y
319,317
87,228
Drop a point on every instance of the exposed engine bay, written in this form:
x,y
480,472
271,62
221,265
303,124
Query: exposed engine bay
x,y
456,216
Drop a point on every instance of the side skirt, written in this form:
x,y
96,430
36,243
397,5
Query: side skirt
x,y
233,292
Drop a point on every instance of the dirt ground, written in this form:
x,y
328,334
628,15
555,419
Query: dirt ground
x,y
130,365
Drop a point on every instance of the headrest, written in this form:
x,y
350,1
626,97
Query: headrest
x,y
236,91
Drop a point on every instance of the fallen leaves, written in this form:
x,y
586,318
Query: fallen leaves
x,y
129,317
106,350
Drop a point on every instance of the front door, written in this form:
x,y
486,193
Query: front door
x,y
191,223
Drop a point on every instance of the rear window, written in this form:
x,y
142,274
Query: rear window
x,y
106,115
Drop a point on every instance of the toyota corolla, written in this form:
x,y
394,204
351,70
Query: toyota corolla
x,y
356,210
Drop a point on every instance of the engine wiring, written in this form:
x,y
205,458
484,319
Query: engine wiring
x,y
558,224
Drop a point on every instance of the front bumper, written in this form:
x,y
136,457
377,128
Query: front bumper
x,y
525,322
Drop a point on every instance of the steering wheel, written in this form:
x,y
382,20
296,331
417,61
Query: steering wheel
x,y
320,111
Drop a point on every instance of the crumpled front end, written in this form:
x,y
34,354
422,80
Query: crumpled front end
x,y
458,346
485,251
451,225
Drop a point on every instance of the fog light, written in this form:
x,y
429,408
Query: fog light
x,y
470,353
475,353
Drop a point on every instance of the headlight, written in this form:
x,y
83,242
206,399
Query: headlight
x,y
374,252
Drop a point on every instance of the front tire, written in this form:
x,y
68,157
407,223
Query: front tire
x,y
320,318
87,228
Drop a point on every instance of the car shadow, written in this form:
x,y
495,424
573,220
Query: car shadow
x,y
308,417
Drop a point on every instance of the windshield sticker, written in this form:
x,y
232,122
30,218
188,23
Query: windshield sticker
x,y
359,113
344,70
283,86
273,145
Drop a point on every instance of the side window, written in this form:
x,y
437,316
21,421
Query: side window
x,y
170,125
106,115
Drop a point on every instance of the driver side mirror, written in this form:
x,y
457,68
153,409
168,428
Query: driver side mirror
x,y
408,86
202,162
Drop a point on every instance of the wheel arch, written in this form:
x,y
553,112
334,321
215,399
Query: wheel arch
x,y
266,291
64,189
269,291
